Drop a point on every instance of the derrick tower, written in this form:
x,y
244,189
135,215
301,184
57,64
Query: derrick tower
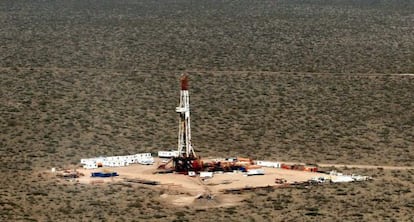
x,y
186,160
184,128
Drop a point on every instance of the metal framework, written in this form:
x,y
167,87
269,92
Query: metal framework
x,y
185,148
186,160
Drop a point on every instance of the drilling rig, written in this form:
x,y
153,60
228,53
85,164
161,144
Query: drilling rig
x,y
187,159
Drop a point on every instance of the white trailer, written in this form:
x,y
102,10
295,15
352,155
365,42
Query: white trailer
x,y
268,164
253,172
206,174
168,154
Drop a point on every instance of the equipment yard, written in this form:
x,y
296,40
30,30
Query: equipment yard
x,y
194,185
185,189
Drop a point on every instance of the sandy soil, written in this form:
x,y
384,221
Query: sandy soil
x,y
220,181
182,190
195,185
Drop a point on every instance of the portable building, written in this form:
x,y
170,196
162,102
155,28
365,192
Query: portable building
x,y
252,172
206,174
168,154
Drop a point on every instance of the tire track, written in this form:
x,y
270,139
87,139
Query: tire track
x,y
202,71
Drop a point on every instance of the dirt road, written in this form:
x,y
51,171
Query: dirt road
x,y
215,72
366,166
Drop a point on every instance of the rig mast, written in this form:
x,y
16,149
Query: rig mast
x,y
184,128
186,160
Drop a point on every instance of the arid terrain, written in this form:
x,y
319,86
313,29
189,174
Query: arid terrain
x,y
284,80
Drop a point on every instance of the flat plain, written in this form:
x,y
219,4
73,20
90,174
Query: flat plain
x,y
308,81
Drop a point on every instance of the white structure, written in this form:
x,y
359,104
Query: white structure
x,y
268,164
319,179
168,154
206,174
341,178
252,172
184,128
117,161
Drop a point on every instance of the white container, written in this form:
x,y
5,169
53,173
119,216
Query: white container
x,y
167,154
255,172
206,174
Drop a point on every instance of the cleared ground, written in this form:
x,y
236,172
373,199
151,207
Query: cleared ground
x,y
195,186
183,190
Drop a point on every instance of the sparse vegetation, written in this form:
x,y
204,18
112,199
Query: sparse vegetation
x,y
89,78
